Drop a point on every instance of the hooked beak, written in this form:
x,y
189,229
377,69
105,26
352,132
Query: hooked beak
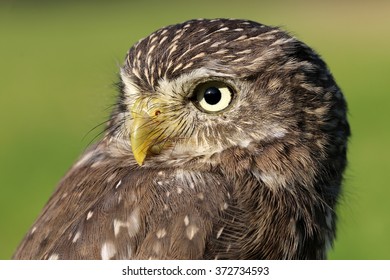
x,y
147,135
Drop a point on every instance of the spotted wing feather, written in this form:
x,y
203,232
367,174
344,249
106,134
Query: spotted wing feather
x,y
101,210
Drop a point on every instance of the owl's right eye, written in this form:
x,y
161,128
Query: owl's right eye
x,y
213,96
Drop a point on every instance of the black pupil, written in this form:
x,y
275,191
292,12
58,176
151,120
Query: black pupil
x,y
212,95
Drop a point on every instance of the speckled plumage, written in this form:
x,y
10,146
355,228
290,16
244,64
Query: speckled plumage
x,y
259,178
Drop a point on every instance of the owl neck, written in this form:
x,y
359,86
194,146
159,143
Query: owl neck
x,y
283,213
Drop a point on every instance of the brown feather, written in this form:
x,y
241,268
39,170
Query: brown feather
x,y
257,180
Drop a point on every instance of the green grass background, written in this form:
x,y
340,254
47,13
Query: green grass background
x,y
58,61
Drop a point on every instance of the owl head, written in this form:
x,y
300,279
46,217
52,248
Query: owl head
x,y
234,94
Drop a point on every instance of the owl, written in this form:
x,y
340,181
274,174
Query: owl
x,y
228,141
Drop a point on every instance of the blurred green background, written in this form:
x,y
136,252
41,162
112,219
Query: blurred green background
x,y
59,60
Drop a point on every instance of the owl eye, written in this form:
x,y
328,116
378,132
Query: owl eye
x,y
213,96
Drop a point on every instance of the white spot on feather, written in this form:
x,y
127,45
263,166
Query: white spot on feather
x,y
186,220
241,38
223,29
97,163
188,65
108,250
224,206
89,215
111,177
132,224
228,247
177,67
191,231
244,143
152,47
161,233
76,237
271,179
33,230
157,247
54,257
219,232
199,55
129,251
278,132
216,44
171,50
163,39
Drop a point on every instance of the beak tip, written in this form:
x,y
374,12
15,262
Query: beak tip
x,y
139,158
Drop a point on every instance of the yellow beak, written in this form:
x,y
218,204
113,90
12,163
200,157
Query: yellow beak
x,y
146,133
